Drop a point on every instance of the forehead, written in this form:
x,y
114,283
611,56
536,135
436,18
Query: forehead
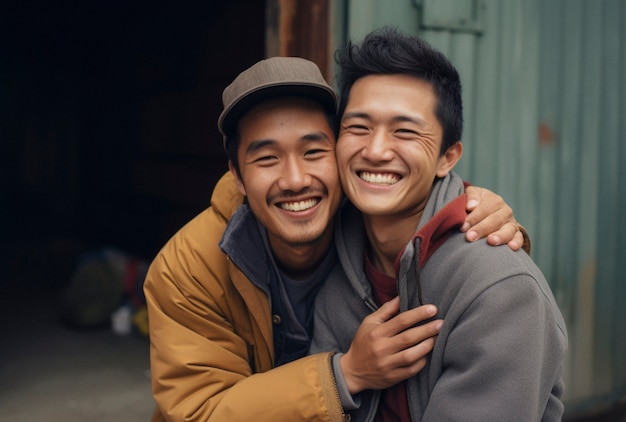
x,y
277,118
389,92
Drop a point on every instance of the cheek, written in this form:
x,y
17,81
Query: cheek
x,y
255,183
343,154
326,173
424,158
329,174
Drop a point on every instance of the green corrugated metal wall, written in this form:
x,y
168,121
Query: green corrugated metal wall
x,y
545,110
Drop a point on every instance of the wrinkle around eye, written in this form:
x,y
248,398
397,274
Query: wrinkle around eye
x,y
355,129
320,154
265,160
407,134
315,152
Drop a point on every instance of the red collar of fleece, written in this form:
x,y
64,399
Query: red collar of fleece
x,y
439,228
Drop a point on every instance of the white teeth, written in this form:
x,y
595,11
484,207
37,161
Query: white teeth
x,y
384,178
298,206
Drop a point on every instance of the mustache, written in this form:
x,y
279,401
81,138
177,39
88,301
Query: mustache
x,y
287,195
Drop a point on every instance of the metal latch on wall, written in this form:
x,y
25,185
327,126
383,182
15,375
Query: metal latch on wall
x,y
451,15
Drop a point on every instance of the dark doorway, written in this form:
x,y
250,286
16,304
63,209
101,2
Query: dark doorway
x,y
108,123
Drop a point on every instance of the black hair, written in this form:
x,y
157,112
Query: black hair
x,y
387,51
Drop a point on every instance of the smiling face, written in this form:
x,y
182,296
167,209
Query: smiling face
x,y
389,146
289,173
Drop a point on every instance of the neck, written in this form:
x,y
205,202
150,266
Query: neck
x,y
388,236
299,262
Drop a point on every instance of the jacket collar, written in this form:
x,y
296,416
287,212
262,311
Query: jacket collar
x,y
244,242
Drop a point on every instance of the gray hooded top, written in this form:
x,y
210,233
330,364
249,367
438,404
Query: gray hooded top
x,y
499,355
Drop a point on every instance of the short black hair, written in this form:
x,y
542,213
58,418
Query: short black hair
x,y
387,51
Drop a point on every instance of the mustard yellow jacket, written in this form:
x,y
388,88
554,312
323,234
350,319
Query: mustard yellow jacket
x,y
211,348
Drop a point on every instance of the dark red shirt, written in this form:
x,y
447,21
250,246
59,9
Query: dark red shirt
x,y
393,406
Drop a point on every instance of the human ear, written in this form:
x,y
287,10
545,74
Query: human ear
x,y
233,171
449,159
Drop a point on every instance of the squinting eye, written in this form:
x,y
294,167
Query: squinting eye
x,y
315,152
406,134
265,158
357,129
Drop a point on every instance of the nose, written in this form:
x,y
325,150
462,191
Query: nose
x,y
378,147
295,176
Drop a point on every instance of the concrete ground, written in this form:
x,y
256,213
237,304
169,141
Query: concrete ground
x,y
50,372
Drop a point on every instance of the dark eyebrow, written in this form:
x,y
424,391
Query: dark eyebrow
x,y
259,144
315,136
355,114
398,119
410,119
263,143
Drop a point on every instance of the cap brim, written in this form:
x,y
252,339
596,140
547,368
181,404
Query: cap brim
x,y
318,93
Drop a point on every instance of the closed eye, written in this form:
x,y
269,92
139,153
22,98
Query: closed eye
x,y
316,153
356,129
264,159
313,151
407,134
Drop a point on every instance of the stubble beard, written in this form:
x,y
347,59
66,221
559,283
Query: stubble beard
x,y
305,242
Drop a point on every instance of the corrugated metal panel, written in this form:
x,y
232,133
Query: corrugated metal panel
x,y
545,109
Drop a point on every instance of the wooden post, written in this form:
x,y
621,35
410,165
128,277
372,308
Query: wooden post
x,y
299,28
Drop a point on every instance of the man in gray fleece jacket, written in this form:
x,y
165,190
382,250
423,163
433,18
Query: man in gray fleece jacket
x,y
500,351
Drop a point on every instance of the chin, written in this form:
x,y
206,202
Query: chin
x,y
301,244
374,211
304,241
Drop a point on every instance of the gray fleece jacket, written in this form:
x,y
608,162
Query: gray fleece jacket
x,y
499,355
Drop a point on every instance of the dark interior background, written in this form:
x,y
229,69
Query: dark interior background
x,y
108,117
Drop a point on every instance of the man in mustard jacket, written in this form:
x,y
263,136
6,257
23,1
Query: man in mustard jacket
x,y
230,295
